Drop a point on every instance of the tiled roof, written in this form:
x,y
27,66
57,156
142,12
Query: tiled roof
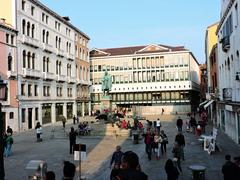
x,y
134,50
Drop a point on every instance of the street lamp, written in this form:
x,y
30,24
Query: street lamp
x,y
3,91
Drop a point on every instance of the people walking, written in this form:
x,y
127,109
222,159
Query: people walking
x,y
63,122
180,140
72,139
164,142
157,142
158,125
228,169
171,170
74,119
177,156
38,128
148,140
116,161
179,124
8,145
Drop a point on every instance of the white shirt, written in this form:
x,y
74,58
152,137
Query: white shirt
x,y
158,123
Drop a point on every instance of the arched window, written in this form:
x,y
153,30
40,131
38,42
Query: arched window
x,y
48,62
29,60
33,61
44,61
24,58
33,29
70,70
60,68
47,37
56,42
9,62
67,46
84,73
43,36
80,73
28,28
23,26
56,67
228,63
59,43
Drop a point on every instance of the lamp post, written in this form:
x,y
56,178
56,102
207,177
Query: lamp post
x,y
3,90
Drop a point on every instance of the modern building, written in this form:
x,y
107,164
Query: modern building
x,y
149,78
50,57
228,106
8,72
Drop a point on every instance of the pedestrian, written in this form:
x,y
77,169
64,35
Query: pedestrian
x,y
180,140
131,168
158,125
162,111
237,167
193,124
148,139
116,161
38,128
177,156
228,169
74,119
179,124
9,130
49,175
8,145
171,170
72,139
156,144
164,142
77,119
63,122
69,170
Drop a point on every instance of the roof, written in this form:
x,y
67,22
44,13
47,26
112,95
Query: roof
x,y
153,48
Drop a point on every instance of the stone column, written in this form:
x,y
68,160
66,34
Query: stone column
x,y
53,113
83,109
65,110
89,108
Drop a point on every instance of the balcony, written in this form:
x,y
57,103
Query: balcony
x,y
225,43
227,94
29,41
47,47
31,73
61,78
48,76
70,56
59,52
11,74
71,79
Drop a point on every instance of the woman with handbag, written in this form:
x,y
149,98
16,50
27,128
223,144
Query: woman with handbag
x,y
164,142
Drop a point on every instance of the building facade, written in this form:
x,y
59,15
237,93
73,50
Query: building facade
x,y
228,106
148,77
8,72
48,62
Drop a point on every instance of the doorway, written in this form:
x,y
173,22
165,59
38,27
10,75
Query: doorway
x,y
29,118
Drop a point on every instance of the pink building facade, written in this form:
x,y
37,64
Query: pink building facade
x,y
8,72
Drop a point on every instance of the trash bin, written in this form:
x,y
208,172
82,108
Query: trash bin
x,y
135,138
198,172
36,169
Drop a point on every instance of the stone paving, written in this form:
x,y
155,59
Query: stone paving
x,y
100,148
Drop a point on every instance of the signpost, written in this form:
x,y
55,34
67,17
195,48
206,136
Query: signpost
x,y
80,154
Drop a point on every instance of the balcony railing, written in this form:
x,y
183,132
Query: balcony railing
x,y
31,73
30,41
48,76
59,52
47,48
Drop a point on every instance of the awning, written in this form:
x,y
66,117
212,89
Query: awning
x,y
206,105
202,103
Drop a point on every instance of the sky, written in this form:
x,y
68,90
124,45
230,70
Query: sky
x,y
121,23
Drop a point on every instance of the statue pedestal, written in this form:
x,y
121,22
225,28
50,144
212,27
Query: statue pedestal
x,y
106,103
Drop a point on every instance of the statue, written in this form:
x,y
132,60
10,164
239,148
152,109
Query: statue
x,y
106,83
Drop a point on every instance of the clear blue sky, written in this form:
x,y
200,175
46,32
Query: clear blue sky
x,y
119,23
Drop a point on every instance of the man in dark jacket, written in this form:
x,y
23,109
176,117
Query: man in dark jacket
x,y
72,139
180,140
179,124
131,168
116,160
228,169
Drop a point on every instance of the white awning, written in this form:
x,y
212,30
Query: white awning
x,y
202,103
206,105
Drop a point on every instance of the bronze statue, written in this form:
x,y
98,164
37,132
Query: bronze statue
x,y
106,83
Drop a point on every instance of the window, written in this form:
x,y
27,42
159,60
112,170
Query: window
x,y
236,15
35,90
23,5
32,11
9,62
227,28
12,39
28,29
46,19
23,115
23,26
33,61
36,114
24,59
7,38
29,90
33,28
23,89
43,17
43,36
11,115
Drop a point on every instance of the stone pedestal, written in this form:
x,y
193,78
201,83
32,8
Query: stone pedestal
x,y
106,103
